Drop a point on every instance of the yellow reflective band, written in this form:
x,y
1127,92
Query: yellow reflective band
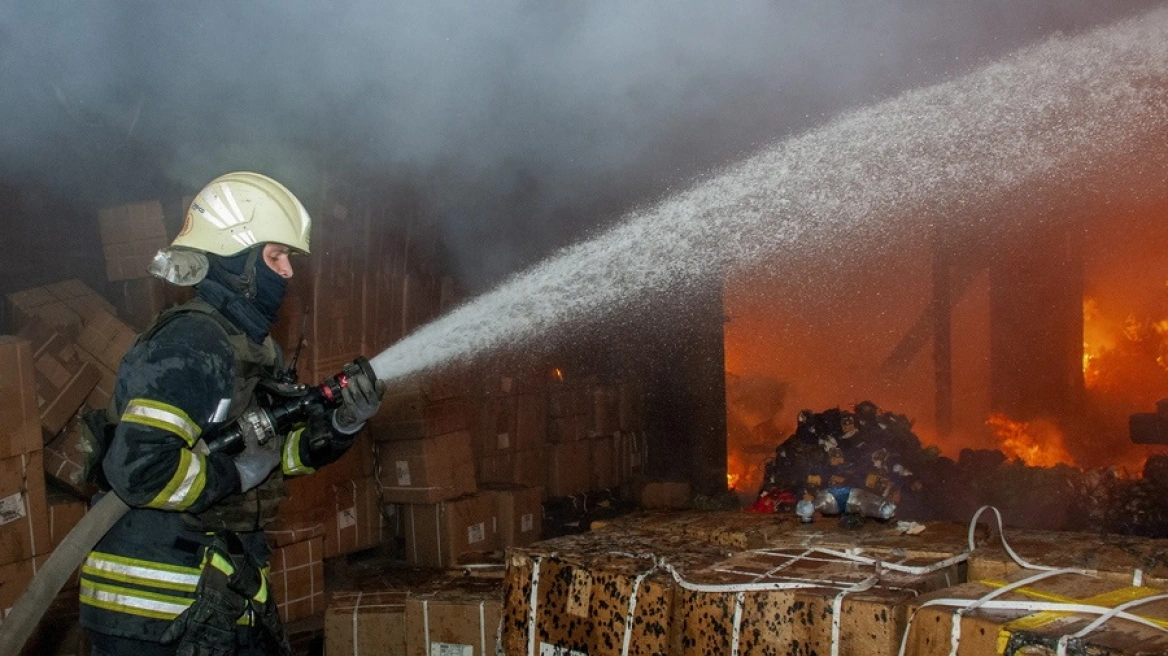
x,y
157,575
292,464
262,595
222,564
184,488
164,416
134,602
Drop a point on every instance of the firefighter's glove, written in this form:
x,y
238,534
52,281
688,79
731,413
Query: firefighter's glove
x,y
223,594
256,461
361,398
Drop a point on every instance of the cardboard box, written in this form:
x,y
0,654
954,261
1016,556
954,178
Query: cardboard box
x,y
289,529
14,580
314,492
496,431
568,469
630,406
140,300
567,429
24,515
605,420
60,306
1021,630
356,522
101,394
410,414
65,510
602,456
592,593
496,469
64,460
631,454
566,400
106,338
663,495
130,236
530,467
531,421
462,617
1112,557
366,623
447,533
297,576
519,514
851,607
426,470
20,426
63,380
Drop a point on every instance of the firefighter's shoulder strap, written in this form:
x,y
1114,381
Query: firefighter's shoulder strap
x,y
98,425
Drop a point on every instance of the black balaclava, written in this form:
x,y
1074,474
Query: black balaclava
x,y
245,290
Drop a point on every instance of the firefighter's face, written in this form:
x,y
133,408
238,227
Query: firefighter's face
x,y
276,257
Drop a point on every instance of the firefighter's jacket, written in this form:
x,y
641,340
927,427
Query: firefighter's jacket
x,y
189,373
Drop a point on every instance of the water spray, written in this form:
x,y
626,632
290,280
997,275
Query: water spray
x,y
1048,117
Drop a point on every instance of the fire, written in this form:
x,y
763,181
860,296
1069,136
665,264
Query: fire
x,y
737,470
1037,443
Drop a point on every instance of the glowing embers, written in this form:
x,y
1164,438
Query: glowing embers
x,y
1037,443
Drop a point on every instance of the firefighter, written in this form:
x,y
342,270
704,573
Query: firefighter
x,y
184,571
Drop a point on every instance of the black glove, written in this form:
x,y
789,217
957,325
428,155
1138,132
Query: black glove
x,y
228,582
362,398
325,444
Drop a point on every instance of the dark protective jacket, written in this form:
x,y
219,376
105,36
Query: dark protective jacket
x,y
189,373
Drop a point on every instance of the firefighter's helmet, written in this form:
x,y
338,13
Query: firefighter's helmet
x,y
239,210
233,213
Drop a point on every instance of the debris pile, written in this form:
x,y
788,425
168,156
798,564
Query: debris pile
x,y
876,451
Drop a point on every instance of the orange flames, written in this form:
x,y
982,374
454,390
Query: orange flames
x,y
1036,443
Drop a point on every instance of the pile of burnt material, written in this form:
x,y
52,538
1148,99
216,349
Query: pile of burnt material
x,y
867,464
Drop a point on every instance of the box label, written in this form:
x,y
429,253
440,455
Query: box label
x,y
12,508
526,522
476,532
504,440
347,518
555,650
403,472
450,649
580,593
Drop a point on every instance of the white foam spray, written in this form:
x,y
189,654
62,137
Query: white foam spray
x,y
1052,114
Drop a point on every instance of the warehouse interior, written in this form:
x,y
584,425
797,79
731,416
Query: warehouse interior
x,y
624,475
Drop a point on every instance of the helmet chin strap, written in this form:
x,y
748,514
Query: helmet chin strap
x,y
247,280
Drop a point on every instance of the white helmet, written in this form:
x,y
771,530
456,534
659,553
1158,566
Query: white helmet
x,y
233,213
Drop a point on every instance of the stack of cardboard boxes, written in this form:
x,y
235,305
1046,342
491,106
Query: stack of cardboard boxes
x,y
130,236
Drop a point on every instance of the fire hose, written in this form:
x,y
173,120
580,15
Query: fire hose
x,y
281,407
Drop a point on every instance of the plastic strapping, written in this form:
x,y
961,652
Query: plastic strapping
x,y
739,602
837,611
28,509
1114,612
632,609
533,599
955,630
482,629
356,607
1002,535
426,622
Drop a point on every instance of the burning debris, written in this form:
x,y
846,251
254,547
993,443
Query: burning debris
x,y
868,463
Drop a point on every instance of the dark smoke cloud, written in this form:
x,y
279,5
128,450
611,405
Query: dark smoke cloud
x,y
526,124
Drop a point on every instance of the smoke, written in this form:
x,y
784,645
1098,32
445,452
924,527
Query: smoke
x,y
526,124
